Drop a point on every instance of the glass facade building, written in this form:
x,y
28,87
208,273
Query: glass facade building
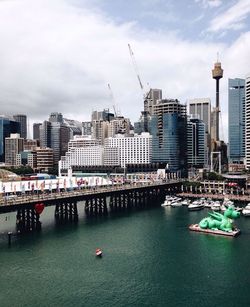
x,y
196,143
236,120
7,126
168,130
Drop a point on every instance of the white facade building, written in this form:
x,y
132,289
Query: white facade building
x,y
135,149
247,119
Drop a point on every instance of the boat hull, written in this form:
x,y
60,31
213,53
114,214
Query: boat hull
x,y
195,208
196,227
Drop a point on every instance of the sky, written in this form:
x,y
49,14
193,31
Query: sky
x,y
60,55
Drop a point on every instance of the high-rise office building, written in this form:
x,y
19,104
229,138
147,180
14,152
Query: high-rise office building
x,y
196,143
236,120
202,108
13,146
55,135
168,128
86,128
22,119
247,121
36,131
151,100
56,117
7,126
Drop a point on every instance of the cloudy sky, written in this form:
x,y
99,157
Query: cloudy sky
x,y
60,55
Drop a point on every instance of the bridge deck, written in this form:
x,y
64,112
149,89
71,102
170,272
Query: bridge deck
x,y
81,194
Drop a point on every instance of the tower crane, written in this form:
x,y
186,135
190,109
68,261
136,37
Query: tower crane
x,y
135,66
113,99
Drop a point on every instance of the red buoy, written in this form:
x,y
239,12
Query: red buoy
x,y
39,208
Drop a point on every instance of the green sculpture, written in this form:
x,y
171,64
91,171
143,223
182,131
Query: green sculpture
x,y
218,221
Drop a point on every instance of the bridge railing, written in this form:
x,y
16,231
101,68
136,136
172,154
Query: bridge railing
x,y
31,198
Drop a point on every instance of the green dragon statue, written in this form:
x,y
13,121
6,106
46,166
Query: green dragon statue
x,y
218,221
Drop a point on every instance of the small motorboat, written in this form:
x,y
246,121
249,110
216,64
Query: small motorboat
x,y
246,210
98,252
196,205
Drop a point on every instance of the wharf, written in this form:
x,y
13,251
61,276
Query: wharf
x,y
239,198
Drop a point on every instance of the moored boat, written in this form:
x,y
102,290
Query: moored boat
x,y
246,210
195,205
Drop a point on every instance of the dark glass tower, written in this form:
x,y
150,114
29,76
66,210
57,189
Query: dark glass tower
x,y
22,119
7,126
236,120
168,126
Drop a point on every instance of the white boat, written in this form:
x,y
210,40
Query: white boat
x,y
185,202
195,205
246,210
166,203
216,206
176,204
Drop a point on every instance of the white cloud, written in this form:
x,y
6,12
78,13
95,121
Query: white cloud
x,y
209,3
232,18
57,57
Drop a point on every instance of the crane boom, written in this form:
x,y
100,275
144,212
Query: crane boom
x,y
135,66
113,99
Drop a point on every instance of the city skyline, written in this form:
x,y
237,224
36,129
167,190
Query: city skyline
x,y
60,56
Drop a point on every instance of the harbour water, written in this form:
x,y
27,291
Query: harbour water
x,y
150,258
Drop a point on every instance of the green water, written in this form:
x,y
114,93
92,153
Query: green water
x,y
150,259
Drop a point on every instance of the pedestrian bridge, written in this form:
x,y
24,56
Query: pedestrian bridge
x,y
98,200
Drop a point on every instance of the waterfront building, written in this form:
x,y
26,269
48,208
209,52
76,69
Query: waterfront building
x,y
13,145
168,126
135,149
36,131
82,151
45,159
247,121
7,126
82,156
196,143
236,120
22,119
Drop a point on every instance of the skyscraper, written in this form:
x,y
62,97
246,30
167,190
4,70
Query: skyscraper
x,y
55,135
196,143
247,121
13,145
22,119
7,126
36,132
168,129
202,108
151,100
236,120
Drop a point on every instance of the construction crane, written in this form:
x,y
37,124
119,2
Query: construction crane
x,y
135,66
113,99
